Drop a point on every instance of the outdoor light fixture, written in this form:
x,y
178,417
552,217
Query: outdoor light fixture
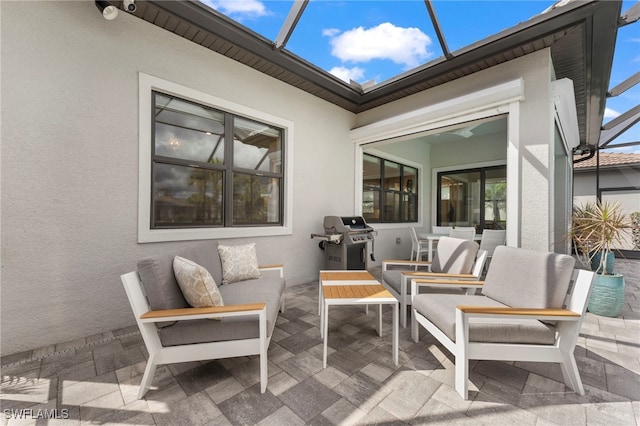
x,y
108,11
129,5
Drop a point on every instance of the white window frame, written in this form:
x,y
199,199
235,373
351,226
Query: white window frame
x,y
148,84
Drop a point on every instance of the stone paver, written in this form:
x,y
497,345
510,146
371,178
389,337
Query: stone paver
x,y
94,380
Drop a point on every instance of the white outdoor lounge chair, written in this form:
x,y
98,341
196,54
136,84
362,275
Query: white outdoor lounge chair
x,y
531,309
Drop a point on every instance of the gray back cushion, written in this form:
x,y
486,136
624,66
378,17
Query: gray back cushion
x,y
159,282
528,279
454,256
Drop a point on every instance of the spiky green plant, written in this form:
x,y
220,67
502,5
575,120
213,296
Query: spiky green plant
x,y
597,228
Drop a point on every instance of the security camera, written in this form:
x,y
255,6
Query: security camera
x,y
129,6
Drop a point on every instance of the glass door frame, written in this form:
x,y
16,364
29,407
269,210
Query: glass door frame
x,y
467,168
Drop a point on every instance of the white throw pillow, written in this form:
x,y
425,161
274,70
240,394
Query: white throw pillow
x,y
197,284
239,263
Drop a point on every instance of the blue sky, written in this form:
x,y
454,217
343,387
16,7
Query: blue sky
x,y
376,40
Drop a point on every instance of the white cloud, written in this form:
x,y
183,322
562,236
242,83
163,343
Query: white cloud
x,y
347,74
407,46
330,32
238,7
610,113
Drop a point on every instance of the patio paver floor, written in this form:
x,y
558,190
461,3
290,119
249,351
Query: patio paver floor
x,y
95,380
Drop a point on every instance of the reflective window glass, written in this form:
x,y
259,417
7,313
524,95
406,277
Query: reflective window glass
x,y
256,146
187,131
256,199
186,196
389,191
193,184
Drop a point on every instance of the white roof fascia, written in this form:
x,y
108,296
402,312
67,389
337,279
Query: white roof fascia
x,y
566,113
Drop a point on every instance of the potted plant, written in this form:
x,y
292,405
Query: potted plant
x,y
596,229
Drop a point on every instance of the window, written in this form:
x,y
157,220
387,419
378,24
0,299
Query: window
x,y
389,191
210,168
476,197
200,180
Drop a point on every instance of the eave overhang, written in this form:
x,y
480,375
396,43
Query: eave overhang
x,y
580,34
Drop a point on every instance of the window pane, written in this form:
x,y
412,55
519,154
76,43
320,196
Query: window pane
x,y
185,196
391,207
256,200
188,131
256,146
409,181
391,176
370,172
371,206
389,191
459,203
410,208
495,195
473,198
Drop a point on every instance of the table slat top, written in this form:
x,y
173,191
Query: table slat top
x,y
356,292
346,276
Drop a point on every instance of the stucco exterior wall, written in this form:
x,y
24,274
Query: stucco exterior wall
x,y
584,181
70,163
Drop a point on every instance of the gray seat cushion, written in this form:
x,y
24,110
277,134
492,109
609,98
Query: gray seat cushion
x,y
528,279
454,256
393,278
440,309
264,289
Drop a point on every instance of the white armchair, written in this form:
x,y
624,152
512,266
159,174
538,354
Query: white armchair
x,y
531,309
455,259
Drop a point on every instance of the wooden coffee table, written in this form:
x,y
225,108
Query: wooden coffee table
x,y
355,288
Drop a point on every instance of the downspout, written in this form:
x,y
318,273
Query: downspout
x,y
598,195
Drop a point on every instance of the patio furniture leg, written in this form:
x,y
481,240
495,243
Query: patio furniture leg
x,y
325,332
570,373
147,378
395,334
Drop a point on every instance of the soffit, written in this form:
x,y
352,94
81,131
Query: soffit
x,y
580,34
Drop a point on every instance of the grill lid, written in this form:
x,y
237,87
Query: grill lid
x,y
345,224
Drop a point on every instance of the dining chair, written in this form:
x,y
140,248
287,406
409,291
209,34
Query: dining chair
x,y
417,246
441,230
464,233
492,238
438,230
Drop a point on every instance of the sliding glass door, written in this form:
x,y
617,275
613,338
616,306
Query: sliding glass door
x,y
475,197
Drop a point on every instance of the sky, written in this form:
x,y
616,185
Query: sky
x,y
373,41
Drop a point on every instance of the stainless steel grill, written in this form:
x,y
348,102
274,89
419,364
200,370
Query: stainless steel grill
x,y
345,242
